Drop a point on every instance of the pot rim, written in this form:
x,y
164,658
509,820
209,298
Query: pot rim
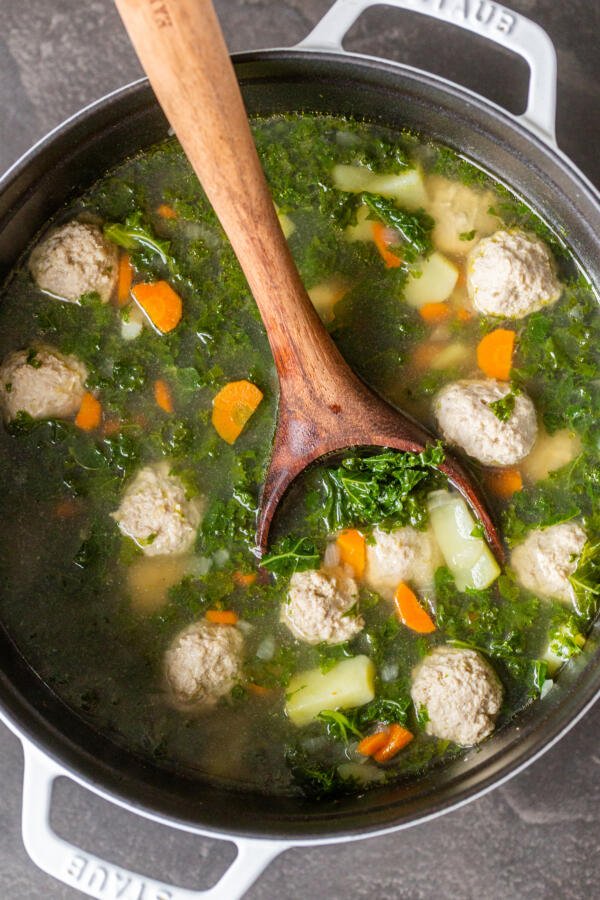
x,y
25,730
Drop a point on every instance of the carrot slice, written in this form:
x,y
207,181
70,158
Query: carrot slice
x,y
495,353
90,413
410,612
124,279
353,550
505,482
244,579
67,508
160,303
162,395
111,426
398,738
233,406
221,616
434,312
424,354
382,243
166,212
464,315
373,742
258,689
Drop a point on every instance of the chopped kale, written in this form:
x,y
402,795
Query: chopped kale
x,y
414,227
338,726
385,489
292,554
505,406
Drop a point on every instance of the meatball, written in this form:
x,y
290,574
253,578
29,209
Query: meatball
x,y
318,606
404,554
547,558
75,259
458,210
466,419
511,274
461,693
156,513
203,663
41,382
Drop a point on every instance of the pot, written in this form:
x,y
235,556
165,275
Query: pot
x,y
319,76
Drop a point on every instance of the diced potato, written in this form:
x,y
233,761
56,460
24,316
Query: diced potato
x,y
469,558
350,683
150,577
407,188
550,452
362,773
325,295
454,354
434,280
287,226
363,230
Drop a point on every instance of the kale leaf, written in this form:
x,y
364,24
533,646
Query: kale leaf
x,y
586,581
380,489
505,406
338,726
292,554
133,234
414,227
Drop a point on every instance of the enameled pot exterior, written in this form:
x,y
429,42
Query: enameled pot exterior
x,y
55,738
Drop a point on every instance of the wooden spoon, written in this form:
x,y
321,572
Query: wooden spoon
x,y
323,406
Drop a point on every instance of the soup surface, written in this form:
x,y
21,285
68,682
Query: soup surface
x,y
379,637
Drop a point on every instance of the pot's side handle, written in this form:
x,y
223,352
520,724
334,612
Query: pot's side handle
x,y
96,877
485,18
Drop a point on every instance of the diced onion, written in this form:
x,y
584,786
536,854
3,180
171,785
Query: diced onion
x,y
266,648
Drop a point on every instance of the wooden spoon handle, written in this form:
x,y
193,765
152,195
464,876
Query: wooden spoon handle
x,y
182,49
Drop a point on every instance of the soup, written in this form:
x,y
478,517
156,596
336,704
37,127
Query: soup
x,y
379,637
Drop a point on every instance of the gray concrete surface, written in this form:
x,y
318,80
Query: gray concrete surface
x,y
536,837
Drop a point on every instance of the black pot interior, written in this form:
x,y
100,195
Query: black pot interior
x,y
64,166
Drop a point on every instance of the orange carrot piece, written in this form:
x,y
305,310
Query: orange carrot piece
x,y
433,313
398,738
111,426
162,395
353,550
495,353
424,354
244,579
391,260
160,303
373,742
233,406
166,212
221,616
90,413
505,482
258,689
464,315
125,277
410,612
67,508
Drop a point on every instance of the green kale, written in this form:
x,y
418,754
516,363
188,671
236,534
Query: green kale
x,y
422,716
505,406
457,167
331,654
316,781
383,711
414,227
338,726
134,233
586,581
565,639
467,235
385,489
292,554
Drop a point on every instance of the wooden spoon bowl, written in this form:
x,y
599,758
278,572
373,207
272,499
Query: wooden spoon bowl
x,y
323,406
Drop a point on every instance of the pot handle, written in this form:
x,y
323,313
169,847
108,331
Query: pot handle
x,y
96,877
487,19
